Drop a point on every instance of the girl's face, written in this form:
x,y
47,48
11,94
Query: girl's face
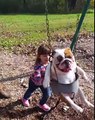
x,y
44,59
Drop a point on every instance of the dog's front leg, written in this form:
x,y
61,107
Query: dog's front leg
x,y
71,103
46,82
82,72
83,98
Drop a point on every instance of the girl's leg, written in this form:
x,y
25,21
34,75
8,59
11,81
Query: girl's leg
x,y
46,94
32,87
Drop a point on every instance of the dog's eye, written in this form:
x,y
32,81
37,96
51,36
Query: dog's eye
x,y
59,58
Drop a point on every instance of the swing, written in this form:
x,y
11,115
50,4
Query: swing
x,y
75,37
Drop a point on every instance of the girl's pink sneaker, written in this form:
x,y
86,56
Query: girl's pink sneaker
x,y
25,102
44,107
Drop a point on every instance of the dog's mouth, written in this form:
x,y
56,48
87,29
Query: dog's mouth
x,y
64,69
64,66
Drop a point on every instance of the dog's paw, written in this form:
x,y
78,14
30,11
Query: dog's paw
x,y
46,85
79,110
89,104
85,77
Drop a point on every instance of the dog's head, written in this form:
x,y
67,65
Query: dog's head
x,y
63,59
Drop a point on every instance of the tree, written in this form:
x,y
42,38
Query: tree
x,y
91,3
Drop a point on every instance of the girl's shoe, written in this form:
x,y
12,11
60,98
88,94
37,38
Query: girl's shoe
x,y
44,107
25,102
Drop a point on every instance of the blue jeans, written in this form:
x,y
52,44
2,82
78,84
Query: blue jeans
x,y
32,87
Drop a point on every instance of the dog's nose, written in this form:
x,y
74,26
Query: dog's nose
x,y
66,62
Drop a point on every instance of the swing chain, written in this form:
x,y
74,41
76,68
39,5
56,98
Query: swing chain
x,y
47,24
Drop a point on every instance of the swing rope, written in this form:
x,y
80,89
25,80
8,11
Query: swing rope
x,y
47,25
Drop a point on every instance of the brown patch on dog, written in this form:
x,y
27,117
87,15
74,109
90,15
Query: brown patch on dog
x,y
68,52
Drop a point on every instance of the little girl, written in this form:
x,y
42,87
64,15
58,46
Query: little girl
x,y
36,79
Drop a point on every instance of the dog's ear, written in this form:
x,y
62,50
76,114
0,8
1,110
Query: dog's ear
x,y
68,52
53,53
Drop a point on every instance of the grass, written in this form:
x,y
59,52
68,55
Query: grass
x,y
25,29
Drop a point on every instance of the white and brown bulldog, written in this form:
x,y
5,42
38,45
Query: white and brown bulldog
x,y
62,75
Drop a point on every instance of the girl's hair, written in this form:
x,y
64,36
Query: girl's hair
x,y
42,50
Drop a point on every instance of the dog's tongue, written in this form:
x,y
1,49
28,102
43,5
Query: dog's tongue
x,y
66,70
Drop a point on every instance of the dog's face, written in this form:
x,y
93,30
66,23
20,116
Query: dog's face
x,y
63,59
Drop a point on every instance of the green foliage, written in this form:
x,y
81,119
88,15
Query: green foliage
x,y
92,4
38,6
24,29
10,6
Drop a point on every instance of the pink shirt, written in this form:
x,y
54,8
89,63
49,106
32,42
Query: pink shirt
x,y
39,72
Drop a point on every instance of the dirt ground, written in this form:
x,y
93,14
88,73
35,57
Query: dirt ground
x,y
18,63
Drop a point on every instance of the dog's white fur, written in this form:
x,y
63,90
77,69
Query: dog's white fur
x,y
66,77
